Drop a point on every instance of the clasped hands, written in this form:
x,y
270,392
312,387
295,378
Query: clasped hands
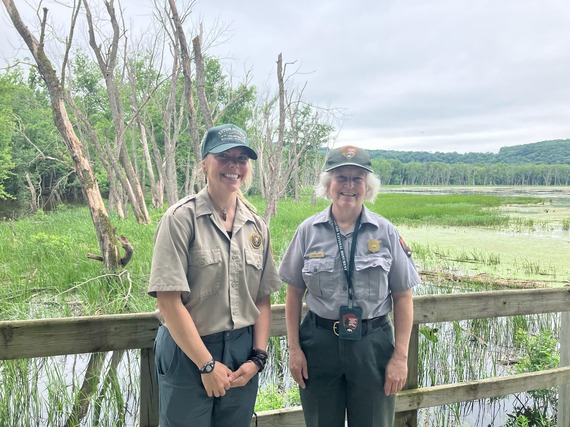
x,y
222,378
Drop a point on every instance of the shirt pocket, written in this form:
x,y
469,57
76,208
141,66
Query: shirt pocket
x,y
371,276
319,276
253,269
205,272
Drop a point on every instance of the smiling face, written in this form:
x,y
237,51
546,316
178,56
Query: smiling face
x,y
348,187
226,171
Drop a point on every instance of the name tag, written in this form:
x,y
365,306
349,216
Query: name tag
x,y
316,255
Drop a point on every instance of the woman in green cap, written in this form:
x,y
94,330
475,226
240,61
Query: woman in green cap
x,y
354,269
212,275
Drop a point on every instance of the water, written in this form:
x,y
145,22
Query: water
x,y
522,248
533,247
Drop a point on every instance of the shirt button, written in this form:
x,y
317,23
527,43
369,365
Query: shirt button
x,y
315,270
202,262
344,289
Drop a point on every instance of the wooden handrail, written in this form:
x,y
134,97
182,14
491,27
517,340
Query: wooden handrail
x,y
23,339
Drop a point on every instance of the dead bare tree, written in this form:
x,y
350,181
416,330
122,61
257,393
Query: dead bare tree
x,y
107,63
106,233
186,61
210,109
288,129
106,236
201,81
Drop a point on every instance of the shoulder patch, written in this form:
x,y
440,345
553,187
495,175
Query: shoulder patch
x,y
405,247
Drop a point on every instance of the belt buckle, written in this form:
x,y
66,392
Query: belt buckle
x,y
335,328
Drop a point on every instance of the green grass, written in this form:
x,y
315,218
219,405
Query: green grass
x,y
45,272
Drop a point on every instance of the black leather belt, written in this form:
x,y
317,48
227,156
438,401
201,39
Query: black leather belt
x,y
332,325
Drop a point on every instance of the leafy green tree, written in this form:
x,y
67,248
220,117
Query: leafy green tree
x,y
6,163
36,151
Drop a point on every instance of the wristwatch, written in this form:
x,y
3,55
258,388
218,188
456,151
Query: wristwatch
x,y
208,367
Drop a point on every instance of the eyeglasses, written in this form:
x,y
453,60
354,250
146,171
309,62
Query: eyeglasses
x,y
224,158
355,180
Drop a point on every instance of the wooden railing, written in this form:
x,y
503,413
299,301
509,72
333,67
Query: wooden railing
x,y
51,337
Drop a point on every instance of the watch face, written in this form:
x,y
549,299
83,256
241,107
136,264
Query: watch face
x,y
208,367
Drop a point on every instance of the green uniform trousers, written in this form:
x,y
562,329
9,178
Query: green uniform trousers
x,y
346,378
183,401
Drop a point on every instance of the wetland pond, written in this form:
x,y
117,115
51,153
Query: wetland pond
x,y
534,246
532,249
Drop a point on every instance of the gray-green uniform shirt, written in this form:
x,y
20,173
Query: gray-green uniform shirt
x,y
220,278
381,265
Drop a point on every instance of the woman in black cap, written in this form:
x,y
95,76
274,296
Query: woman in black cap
x,y
354,268
212,275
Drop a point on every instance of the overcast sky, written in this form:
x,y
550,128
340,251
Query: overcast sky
x,y
456,75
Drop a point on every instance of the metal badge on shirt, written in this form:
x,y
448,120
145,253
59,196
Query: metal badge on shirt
x,y
373,245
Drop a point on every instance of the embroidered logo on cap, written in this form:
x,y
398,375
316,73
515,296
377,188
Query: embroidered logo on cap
x,y
255,240
349,151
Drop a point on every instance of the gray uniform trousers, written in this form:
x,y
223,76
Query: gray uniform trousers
x,y
183,401
346,377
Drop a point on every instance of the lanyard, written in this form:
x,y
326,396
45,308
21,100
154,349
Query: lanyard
x,y
348,268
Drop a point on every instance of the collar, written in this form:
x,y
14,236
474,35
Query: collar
x,y
326,216
204,206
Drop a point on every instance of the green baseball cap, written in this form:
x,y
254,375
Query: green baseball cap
x,y
224,137
348,156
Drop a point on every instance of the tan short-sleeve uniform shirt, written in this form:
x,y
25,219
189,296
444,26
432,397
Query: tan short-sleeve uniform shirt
x,y
220,278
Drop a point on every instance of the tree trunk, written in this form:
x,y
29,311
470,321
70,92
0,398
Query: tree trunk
x,y
171,132
107,66
33,194
103,227
191,113
201,82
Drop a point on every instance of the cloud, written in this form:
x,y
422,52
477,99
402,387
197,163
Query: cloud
x,y
444,75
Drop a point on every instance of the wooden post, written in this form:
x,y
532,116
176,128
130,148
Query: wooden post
x,y
149,390
564,390
410,418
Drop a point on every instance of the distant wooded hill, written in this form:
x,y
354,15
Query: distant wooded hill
x,y
539,153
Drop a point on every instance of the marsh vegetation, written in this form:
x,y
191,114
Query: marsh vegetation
x,y
461,242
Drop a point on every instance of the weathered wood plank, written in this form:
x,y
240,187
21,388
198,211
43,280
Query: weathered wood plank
x,y
440,395
491,387
474,305
410,418
288,417
51,337
148,411
564,390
